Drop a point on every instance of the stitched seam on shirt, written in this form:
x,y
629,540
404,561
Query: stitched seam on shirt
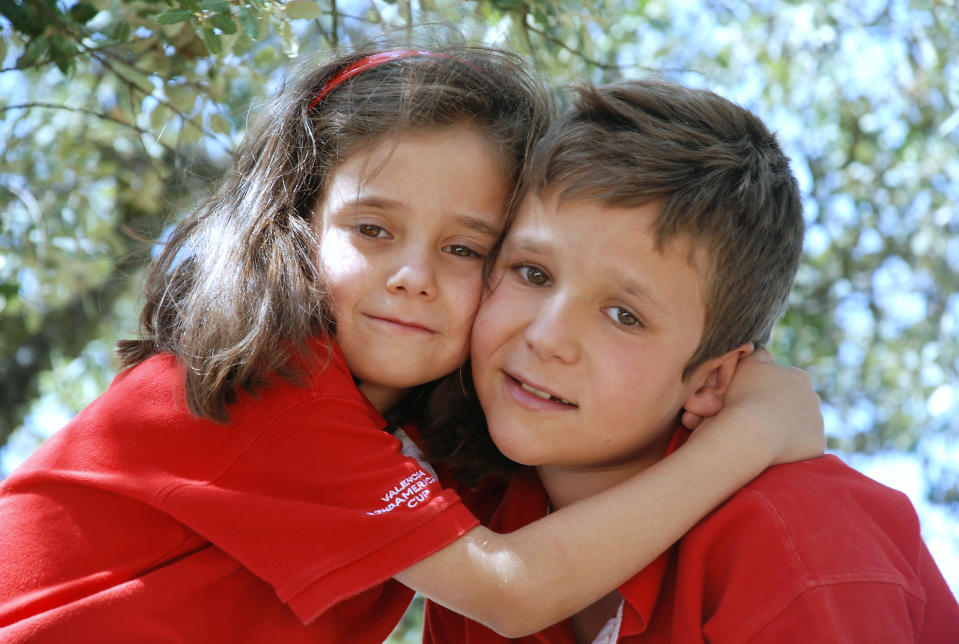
x,y
821,586
812,582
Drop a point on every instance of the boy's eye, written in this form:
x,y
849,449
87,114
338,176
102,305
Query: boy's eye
x,y
460,251
371,230
533,275
621,316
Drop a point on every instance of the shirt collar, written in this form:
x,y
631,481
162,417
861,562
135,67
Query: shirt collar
x,y
642,591
525,501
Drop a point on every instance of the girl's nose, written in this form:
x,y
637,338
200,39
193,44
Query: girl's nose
x,y
414,278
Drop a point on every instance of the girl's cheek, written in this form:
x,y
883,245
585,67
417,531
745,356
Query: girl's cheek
x,y
339,258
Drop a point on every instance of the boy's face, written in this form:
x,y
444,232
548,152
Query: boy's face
x,y
578,351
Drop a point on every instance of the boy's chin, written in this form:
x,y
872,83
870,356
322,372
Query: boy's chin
x,y
515,452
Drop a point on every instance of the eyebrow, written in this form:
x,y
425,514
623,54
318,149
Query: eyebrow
x,y
637,290
525,244
477,224
467,221
532,245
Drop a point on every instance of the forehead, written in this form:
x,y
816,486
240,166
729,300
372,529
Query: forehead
x,y
612,248
438,142
456,168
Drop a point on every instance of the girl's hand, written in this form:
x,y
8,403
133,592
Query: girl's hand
x,y
771,408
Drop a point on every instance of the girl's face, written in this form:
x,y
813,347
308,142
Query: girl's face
x,y
403,230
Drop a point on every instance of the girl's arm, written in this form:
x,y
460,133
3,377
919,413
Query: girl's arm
x,y
521,582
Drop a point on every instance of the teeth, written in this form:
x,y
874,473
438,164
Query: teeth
x,y
543,394
537,392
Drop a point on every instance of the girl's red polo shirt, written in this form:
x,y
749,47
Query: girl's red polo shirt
x,y
141,522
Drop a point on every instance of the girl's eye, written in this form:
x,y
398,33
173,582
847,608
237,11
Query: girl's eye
x,y
623,317
461,251
371,230
533,275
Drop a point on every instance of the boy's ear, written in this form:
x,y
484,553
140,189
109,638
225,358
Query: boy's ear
x,y
711,379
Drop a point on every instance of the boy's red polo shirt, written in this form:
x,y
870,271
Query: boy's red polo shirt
x,y
807,552
139,522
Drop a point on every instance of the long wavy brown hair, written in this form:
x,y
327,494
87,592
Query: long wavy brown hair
x,y
235,293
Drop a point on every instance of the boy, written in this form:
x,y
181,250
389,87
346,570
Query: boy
x,y
656,245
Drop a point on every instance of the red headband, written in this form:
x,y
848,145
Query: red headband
x,y
368,62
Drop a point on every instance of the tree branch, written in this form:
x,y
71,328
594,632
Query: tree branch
x,y
575,52
89,112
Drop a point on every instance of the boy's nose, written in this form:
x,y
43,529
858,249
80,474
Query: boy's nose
x,y
551,333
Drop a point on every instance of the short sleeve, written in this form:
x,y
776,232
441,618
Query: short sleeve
x,y
322,505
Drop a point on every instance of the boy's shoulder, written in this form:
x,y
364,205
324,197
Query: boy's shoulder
x,y
806,537
825,489
821,516
805,480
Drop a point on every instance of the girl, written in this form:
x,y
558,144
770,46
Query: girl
x,y
235,482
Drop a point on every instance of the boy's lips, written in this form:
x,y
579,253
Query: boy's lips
x,y
525,392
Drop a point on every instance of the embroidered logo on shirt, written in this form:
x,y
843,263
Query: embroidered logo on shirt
x,y
414,489
410,492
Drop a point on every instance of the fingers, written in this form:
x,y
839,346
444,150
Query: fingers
x,y
690,420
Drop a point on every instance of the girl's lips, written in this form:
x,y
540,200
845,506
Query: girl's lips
x,y
532,397
402,325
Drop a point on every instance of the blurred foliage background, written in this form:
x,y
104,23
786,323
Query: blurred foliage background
x,y
117,115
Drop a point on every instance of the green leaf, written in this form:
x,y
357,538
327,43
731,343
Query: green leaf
x,y
219,6
213,42
265,57
159,118
35,48
123,30
303,9
188,44
62,52
174,16
223,22
291,46
82,12
182,97
141,45
506,5
24,19
189,133
248,21
241,45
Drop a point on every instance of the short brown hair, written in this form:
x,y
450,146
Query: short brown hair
x,y
235,294
720,175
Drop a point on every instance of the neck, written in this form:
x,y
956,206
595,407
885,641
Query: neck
x,y
567,484
381,397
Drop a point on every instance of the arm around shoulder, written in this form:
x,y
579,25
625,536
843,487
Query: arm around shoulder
x,y
521,582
